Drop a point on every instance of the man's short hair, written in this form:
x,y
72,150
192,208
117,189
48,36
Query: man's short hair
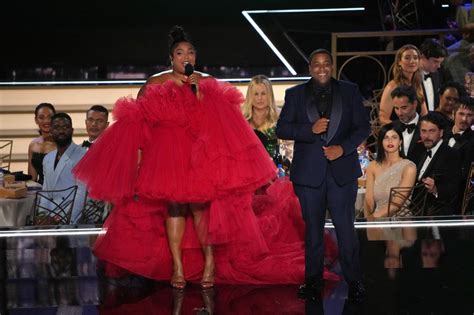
x,y
432,48
464,102
99,108
404,90
435,118
320,51
61,116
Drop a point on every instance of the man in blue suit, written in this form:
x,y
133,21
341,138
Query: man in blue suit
x,y
326,119
58,164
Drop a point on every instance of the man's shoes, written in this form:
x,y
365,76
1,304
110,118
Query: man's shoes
x,y
356,292
311,290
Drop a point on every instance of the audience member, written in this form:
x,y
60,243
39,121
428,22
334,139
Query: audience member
x,y
465,42
405,71
433,54
449,95
42,145
461,138
439,167
458,64
97,119
389,170
58,164
405,104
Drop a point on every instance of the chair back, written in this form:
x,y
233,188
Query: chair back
x,y
54,207
6,154
94,212
407,201
468,197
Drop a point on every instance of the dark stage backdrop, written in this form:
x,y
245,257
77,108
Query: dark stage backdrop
x,y
94,39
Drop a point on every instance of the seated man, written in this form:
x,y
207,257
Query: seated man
x,y
439,167
433,54
97,120
461,138
58,164
404,105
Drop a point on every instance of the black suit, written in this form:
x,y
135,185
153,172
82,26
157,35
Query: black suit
x,y
465,147
445,169
321,184
437,82
416,148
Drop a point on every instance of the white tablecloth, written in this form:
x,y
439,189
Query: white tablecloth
x,y
13,212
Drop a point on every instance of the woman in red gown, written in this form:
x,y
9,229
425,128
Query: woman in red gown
x,y
186,210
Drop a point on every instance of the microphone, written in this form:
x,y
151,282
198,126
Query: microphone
x,y
188,70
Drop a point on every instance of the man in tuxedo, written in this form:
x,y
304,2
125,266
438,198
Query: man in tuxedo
x,y
97,120
404,104
326,119
461,138
439,167
58,164
433,54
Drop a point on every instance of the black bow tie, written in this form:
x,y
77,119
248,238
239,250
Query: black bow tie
x,y
429,153
86,144
457,136
426,76
409,127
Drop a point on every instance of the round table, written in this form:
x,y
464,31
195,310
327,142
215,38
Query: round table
x,y
13,212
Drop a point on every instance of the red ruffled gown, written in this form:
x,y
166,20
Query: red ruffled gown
x,y
192,151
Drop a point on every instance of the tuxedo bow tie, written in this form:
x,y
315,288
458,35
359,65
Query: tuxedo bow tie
x,y
429,153
457,136
426,76
409,127
86,144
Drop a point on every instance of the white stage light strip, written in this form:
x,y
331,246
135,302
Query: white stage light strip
x,y
347,9
269,42
116,82
131,82
51,232
246,14
401,224
358,225
445,5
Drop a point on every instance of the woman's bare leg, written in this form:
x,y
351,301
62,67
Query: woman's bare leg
x,y
209,266
175,225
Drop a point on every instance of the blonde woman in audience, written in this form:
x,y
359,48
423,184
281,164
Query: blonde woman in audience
x,y
260,110
390,169
406,71
43,144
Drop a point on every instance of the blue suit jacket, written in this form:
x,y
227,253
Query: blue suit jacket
x,y
348,127
62,177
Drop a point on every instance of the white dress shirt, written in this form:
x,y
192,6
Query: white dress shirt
x,y
407,137
452,141
429,90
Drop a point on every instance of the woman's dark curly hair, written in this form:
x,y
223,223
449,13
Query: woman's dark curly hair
x,y
176,36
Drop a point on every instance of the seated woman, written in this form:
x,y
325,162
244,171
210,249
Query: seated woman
x,y
405,71
42,145
390,169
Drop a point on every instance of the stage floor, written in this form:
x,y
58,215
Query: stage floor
x,y
410,267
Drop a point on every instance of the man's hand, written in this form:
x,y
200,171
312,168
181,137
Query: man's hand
x,y
333,152
430,185
320,126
